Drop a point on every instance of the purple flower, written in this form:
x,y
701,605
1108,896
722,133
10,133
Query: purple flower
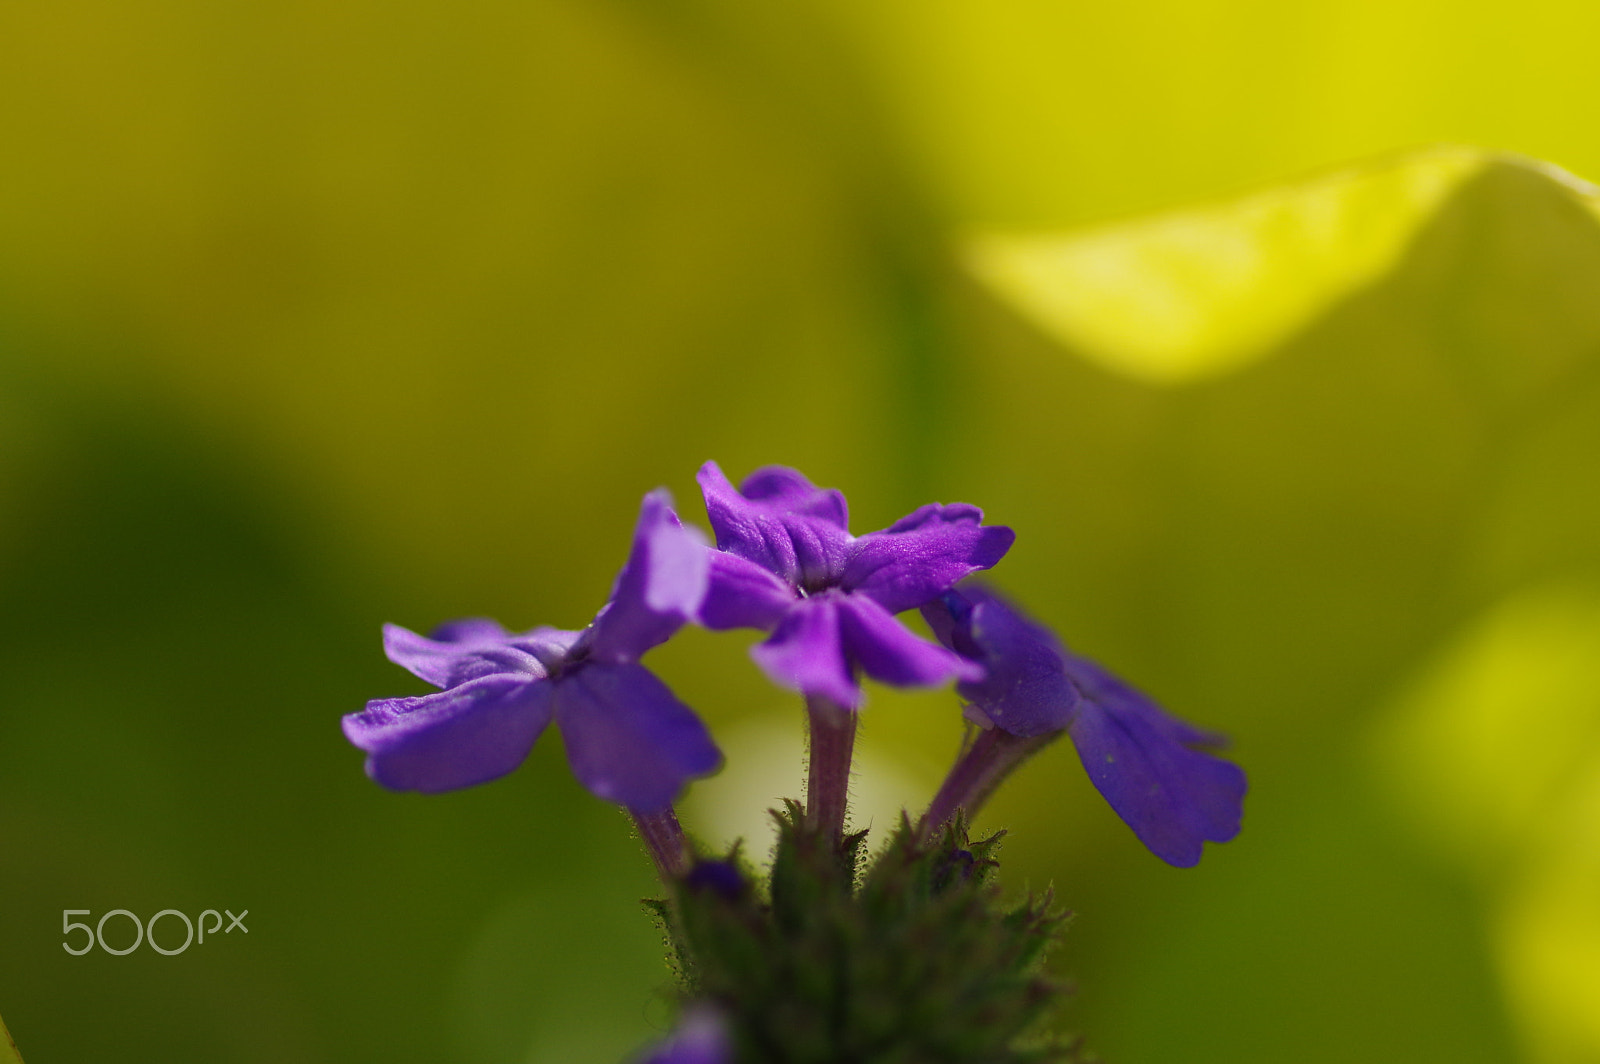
x,y
628,739
1153,768
701,1038
786,563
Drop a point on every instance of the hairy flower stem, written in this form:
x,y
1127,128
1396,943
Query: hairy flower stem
x,y
833,740
981,767
663,837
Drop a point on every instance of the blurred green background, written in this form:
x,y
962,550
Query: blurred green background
x,y
315,316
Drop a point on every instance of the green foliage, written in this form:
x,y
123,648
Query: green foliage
x,y
912,958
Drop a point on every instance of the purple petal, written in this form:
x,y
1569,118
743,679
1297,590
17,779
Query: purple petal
x,y
628,739
934,514
790,528
459,651
701,1038
659,588
741,594
469,630
1140,758
718,877
1104,687
950,617
549,645
780,486
806,653
888,652
472,733
1173,798
922,555
1027,691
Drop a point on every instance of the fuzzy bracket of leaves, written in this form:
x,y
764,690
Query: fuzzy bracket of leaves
x,y
912,959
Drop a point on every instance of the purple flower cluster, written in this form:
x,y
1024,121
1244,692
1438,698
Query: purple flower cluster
x,y
786,563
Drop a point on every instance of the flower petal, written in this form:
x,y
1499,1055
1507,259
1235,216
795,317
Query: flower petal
x,y
701,1038
1105,687
780,486
890,653
1174,798
788,528
806,653
629,740
741,594
923,554
549,646
458,651
469,630
452,648
472,733
1141,758
950,617
1027,691
659,588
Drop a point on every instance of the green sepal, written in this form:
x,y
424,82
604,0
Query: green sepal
x,y
912,958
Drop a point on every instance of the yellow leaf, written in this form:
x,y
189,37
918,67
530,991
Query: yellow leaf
x,y
8,1047
1197,293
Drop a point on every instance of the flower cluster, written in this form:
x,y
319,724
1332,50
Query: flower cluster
x,y
784,562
